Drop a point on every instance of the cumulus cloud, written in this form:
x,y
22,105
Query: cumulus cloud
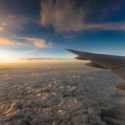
x,y
63,15
69,37
50,43
4,24
38,42
39,96
1,29
9,41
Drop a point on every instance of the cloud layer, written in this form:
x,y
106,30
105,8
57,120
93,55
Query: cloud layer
x,y
6,41
38,42
36,58
60,96
1,29
63,15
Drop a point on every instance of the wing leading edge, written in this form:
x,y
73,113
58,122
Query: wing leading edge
x,y
116,64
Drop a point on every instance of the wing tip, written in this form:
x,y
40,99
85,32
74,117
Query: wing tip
x,y
71,50
68,49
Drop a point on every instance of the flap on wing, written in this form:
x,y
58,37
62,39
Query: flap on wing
x,y
120,72
121,86
80,58
91,64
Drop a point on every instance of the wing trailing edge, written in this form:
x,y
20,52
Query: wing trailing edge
x,y
91,64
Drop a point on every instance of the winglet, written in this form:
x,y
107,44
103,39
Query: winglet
x,y
69,50
74,51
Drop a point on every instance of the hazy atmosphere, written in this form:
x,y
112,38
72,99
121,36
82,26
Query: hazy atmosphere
x,y
42,29
40,81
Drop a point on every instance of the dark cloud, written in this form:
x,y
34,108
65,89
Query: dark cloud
x,y
66,15
100,11
27,8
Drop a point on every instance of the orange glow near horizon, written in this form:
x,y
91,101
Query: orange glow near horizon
x,y
17,60
48,65
7,56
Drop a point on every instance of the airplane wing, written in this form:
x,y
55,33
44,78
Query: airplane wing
x,y
116,64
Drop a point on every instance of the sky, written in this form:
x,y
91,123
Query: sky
x,y
41,30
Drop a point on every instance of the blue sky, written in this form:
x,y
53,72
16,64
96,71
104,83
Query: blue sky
x,y
43,29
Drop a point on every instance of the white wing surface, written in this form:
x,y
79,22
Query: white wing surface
x,y
116,64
